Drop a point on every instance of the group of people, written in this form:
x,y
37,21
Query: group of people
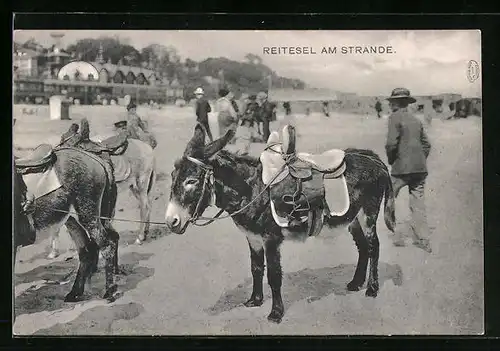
x,y
251,120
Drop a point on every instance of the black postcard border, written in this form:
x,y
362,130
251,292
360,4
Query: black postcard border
x,y
490,32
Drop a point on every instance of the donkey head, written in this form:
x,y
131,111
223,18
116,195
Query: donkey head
x,y
192,182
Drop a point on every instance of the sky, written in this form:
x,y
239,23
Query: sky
x,y
426,62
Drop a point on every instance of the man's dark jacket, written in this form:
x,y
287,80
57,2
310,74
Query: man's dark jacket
x,y
202,110
407,145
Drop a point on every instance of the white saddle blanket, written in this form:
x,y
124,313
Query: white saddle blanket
x,y
40,184
337,196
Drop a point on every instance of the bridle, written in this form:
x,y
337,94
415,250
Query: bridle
x,y
208,183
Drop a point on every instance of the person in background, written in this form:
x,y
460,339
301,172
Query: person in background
x,y
378,108
325,109
227,116
202,110
233,102
134,126
288,109
407,149
266,112
246,131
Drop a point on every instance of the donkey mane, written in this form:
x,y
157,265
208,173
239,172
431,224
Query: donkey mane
x,y
238,159
238,173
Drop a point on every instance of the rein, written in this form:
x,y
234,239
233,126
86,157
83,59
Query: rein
x,y
208,174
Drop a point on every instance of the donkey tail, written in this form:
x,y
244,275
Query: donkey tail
x,y
389,206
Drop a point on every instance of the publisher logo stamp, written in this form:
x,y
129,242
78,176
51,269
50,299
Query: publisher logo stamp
x,y
472,71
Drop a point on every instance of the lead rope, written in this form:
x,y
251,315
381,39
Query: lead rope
x,y
216,217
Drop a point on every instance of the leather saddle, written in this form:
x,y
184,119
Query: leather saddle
x,y
298,192
115,145
40,158
301,165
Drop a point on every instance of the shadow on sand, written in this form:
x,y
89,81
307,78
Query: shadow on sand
x,y
50,296
95,321
311,284
128,237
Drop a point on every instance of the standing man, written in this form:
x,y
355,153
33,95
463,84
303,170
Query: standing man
x,y
407,150
266,114
202,110
288,109
325,109
378,108
227,116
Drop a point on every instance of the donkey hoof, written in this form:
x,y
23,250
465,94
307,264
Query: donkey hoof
x,y
275,317
120,271
52,255
371,291
253,302
114,297
353,286
110,292
73,297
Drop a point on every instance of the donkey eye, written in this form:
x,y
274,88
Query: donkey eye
x,y
190,182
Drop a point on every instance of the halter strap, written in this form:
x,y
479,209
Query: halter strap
x,y
199,163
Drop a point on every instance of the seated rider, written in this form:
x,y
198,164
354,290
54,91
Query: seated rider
x,y
135,127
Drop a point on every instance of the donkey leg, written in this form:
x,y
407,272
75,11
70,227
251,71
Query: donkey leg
x,y
145,209
87,253
370,230
361,243
101,237
257,267
274,278
53,231
108,253
54,245
141,196
115,237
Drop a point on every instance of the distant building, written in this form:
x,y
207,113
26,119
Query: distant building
x,y
34,64
27,62
31,63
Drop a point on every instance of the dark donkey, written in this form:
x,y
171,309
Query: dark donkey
x,y
238,181
87,190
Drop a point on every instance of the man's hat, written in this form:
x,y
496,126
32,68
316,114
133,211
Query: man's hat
x,y
131,105
401,94
223,92
261,95
199,91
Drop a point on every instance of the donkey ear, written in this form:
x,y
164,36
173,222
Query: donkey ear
x,y
217,145
196,142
